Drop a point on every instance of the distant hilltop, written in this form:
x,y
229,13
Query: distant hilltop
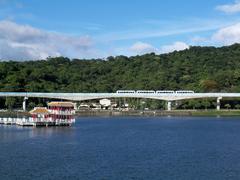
x,y
201,69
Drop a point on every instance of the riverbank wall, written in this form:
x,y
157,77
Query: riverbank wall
x,y
82,113
160,113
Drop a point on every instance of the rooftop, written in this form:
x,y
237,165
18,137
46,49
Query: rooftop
x,y
39,110
61,104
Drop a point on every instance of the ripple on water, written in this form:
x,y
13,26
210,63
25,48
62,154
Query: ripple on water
x,y
124,148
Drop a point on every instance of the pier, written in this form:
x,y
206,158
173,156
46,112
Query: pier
x,y
36,122
57,114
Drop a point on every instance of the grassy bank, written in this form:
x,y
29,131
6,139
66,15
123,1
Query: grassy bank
x,y
14,114
216,113
137,113
160,113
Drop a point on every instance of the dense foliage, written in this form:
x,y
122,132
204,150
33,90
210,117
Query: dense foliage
x,y
202,69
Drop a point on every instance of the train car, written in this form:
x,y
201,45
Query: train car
x,y
184,92
146,92
165,92
125,92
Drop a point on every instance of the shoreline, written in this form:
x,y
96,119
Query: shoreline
x,y
159,113
100,113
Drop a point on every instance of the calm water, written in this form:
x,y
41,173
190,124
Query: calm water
x,y
124,148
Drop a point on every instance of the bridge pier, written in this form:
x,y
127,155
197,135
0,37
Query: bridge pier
x,y
218,103
75,106
25,103
169,105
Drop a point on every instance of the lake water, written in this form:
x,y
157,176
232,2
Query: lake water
x,y
124,148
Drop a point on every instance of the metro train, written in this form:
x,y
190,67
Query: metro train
x,y
154,92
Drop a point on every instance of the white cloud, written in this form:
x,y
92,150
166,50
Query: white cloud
x,y
142,48
171,28
177,46
228,35
230,8
23,42
198,39
145,34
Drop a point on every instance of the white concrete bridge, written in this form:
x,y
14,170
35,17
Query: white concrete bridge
x,y
169,97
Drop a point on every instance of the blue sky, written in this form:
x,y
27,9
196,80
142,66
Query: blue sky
x,y
33,29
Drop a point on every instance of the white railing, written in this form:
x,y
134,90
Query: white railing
x,y
7,120
62,112
33,121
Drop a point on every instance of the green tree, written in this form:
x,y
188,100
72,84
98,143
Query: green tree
x,y
31,105
209,85
9,103
206,104
237,106
228,106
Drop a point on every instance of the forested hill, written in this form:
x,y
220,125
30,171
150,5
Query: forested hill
x,y
202,69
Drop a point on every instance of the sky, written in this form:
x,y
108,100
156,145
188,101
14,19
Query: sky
x,y
34,29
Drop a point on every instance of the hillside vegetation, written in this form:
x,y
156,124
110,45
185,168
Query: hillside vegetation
x,y
202,69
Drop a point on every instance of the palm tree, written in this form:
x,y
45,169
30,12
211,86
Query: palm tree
x,y
228,106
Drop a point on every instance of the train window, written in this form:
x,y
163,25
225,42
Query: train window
x,y
145,92
125,91
165,92
184,92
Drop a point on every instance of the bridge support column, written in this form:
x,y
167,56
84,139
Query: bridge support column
x,y
75,106
169,105
218,103
25,103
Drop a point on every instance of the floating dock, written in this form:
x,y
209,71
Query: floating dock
x,y
57,114
36,122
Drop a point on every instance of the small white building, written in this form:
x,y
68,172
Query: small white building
x,y
95,106
105,102
84,106
114,105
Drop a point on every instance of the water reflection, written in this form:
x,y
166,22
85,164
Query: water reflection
x,y
124,148
12,133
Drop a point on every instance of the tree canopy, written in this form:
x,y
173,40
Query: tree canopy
x,y
202,69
